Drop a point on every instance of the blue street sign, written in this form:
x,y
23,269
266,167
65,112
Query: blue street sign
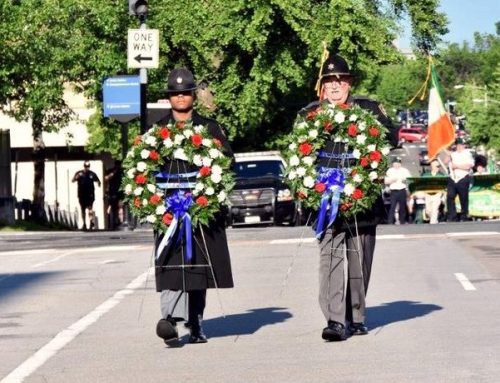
x,y
122,97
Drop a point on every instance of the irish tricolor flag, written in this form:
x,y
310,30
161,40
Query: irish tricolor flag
x,y
441,132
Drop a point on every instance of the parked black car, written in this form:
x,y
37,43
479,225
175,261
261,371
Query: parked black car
x,y
260,194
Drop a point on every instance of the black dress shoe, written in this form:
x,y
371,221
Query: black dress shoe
x,y
167,329
358,329
197,336
334,332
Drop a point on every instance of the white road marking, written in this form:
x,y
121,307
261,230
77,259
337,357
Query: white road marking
x,y
27,252
292,240
30,365
35,266
472,233
466,284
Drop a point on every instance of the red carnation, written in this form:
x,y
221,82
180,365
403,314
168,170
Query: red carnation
x,y
345,206
343,106
205,171
196,140
312,114
202,201
155,199
364,162
217,142
375,156
164,133
167,218
305,148
327,125
137,140
153,154
320,187
301,195
357,194
352,130
180,124
137,202
140,179
374,132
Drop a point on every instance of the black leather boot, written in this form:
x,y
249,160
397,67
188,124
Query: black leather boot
x,y
196,331
334,332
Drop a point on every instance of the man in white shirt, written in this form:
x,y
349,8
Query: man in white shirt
x,y
396,180
460,162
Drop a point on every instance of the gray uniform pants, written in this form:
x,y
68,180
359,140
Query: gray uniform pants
x,y
344,273
182,305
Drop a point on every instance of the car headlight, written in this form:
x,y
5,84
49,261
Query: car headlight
x,y
284,195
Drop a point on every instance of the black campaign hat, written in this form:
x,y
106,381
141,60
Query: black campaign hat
x,y
334,65
180,80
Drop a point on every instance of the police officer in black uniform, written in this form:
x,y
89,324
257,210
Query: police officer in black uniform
x,y
183,287
342,300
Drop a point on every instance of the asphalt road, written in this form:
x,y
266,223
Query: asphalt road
x,y
81,307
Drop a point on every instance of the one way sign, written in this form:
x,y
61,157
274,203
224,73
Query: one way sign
x,y
143,48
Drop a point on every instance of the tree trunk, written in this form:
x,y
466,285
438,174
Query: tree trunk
x,y
38,209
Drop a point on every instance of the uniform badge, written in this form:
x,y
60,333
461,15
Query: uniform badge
x,y
331,66
179,80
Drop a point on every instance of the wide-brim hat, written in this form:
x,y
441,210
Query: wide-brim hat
x,y
180,80
335,65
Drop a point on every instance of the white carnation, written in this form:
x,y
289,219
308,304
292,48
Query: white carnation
x,y
180,154
374,164
168,142
210,191
302,139
317,124
294,161
362,125
141,166
292,146
160,210
302,125
356,153
144,153
206,142
151,218
385,151
348,189
131,173
144,202
292,175
339,117
373,176
221,197
301,171
197,160
138,190
353,118
128,189
308,160
130,153
308,182
150,140
206,161
178,139
360,139
187,133
216,178
313,133
216,169
199,186
214,153
337,139
198,128
357,178
371,148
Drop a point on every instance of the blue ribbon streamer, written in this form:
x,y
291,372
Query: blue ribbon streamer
x,y
179,203
334,180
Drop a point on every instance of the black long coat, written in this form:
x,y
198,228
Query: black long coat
x,y
376,214
197,275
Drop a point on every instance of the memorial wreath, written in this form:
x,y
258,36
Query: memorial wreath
x,y
347,190
165,205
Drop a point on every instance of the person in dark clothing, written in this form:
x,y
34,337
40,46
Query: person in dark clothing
x,y
183,287
355,236
115,194
86,193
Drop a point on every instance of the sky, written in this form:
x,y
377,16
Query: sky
x,y
466,17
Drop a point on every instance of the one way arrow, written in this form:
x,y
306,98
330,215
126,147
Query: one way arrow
x,y
140,58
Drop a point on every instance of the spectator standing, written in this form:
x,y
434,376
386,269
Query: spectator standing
x,y
433,201
115,195
395,178
86,193
460,163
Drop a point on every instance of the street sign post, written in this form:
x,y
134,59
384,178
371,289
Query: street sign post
x,y
122,98
143,48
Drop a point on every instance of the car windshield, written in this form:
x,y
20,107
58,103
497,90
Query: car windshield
x,y
253,169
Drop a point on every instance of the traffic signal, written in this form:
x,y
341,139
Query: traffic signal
x,y
138,8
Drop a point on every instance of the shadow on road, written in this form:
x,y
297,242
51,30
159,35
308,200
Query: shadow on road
x,y
245,323
11,283
398,311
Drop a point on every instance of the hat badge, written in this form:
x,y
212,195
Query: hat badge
x,y
179,80
331,66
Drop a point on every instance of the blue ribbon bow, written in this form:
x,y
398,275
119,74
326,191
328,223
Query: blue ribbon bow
x,y
334,181
179,203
